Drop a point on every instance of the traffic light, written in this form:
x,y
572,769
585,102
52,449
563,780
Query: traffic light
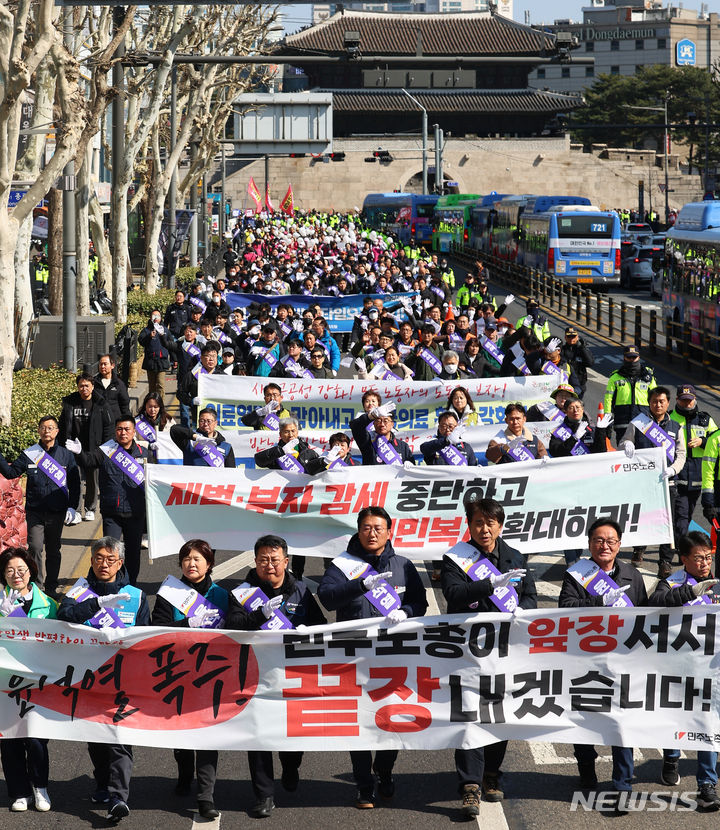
x,y
337,156
370,159
383,155
297,155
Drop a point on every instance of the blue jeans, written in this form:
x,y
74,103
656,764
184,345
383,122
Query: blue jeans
x,y
706,763
622,768
186,415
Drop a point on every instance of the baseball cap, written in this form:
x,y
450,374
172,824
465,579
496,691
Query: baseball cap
x,y
570,330
491,323
228,350
632,351
531,303
564,387
686,391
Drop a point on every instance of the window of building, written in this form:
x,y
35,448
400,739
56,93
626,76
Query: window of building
x,y
614,45
590,46
541,72
589,71
614,70
565,72
662,43
639,43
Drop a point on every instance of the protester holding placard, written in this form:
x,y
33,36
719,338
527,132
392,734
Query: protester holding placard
x,y
194,601
484,575
602,581
659,430
371,580
25,761
106,599
573,435
271,598
516,442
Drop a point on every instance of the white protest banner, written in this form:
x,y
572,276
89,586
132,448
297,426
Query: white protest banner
x,y
643,677
245,444
332,404
548,506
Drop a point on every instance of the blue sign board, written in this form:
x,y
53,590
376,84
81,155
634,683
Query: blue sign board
x,y
15,197
685,52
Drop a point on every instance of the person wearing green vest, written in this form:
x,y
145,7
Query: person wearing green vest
x,y
536,322
626,394
447,274
698,426
710,494
468,291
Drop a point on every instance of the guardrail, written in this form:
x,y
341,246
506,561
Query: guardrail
x,y
695,351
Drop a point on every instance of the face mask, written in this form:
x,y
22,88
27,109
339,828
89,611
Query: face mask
x,y
155,319
451,368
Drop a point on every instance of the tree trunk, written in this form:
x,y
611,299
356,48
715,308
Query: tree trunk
x,y
8,355
55,250
120,254
82,198
23,288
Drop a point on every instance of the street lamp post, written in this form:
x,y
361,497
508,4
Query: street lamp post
x,y
424,142
666,135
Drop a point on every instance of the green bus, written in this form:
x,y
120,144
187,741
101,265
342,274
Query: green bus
x,y
451,220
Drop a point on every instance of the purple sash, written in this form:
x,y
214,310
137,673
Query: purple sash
x,y
549,368
198,369
520,452
187,600
337,464
440,293
290,464
105,617
191,348
124,462
196,301
386,452
253,599
377,356
478,567
682,577
271,421
47,464
295,368
431,360
404,349
209,453
388,375
492,349
383,597
145,430
269,357
595,581
453,456
221,336
455,340
285,328
655,433
236,328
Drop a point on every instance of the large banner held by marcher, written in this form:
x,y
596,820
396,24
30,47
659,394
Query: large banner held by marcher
x,y
548,505
332,404
245,444
641,677
340,312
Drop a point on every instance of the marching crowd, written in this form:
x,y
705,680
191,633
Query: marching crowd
x,y
94,452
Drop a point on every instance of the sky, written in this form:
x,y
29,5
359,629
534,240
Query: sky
x,y
541,11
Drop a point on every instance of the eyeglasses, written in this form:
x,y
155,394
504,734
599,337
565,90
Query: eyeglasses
x,y
107,560
207,421
605,543
266,563
16,571
700,559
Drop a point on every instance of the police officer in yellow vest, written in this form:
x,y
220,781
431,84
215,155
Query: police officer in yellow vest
x,y
710,497
698,427
627,390
535,321
41,274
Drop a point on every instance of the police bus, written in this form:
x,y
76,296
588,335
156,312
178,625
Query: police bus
x,y
482,222
406,216
451,220
576,243
691,275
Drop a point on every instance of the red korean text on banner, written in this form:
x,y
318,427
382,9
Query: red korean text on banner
x,y
254,194
287,206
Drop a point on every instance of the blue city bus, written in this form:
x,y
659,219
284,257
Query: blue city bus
x,y
405,215
509,211
451,220
579,244
482,221
691,275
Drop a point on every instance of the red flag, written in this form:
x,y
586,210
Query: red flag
x,y
286,206
268,203
254,194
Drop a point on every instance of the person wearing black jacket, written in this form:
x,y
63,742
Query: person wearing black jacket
x,y
371,546
591,439
111,387
122,490
604,538
188,385
156,361
187,438
448,435
108,579
480,767
292,597
85,417
383,421
177,315
532,351
48,504
578,355
290,446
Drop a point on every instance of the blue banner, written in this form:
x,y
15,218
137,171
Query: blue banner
x,y
340,312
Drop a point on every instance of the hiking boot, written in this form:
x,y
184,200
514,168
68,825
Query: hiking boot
x,y
588,776
707,797
664,570
670,775
471,800
491,787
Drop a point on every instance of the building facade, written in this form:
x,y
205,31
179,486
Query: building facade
x,y
321,11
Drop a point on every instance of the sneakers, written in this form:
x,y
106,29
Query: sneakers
x,y
670,775
42,799
77,518
263,808
89,516
208,810
19,805
491,787
364,800
471,800
118,810
386,785
588,777
100,797
707,797
290,779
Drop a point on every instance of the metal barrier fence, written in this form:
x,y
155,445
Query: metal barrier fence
x,y
695,351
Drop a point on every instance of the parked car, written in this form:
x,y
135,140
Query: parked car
x,y
640,265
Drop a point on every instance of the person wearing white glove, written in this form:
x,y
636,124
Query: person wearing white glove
x,y
509,299
436,452
371,545
480,767
271,394
108,579
279,584
272,406
605,421
204,618
628,448
397,615
52,489
271,606
74,445
613,595
604,541
658,405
